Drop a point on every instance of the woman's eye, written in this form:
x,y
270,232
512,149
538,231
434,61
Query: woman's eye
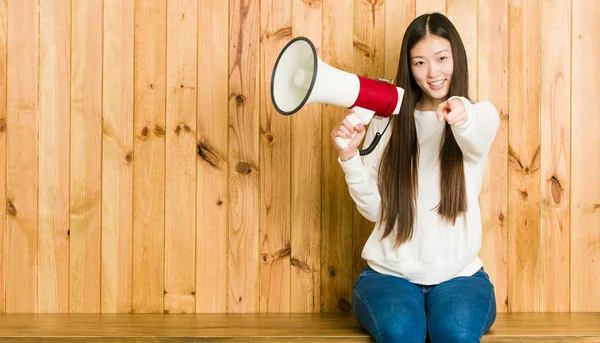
x,y
419,63
443,58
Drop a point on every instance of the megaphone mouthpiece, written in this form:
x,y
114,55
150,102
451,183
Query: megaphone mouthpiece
x,y
303,79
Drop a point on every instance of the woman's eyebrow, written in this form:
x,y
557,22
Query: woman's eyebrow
x,y
437,53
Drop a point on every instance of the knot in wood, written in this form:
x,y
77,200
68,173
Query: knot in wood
x,y
240,100
159,131
344,305
11,210
243,168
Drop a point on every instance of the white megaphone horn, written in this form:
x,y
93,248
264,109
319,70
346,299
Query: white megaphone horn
x,y
300,77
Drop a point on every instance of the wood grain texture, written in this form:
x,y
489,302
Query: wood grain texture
x,y
524,157
336,225
306,178
86,157
243,156
398,15
117,157
325,327
492,56
180,198
368,61
275,160
54,157
212,199
430,6
22,179
246,210
585,149
555,155
3,142
149,150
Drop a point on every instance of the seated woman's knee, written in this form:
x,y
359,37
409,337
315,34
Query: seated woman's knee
x,y
450,334
401,332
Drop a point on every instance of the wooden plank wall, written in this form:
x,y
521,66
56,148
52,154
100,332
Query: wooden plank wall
x,y
144,168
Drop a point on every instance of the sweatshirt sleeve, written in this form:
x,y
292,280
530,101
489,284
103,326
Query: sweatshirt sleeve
x,y
475,137
361,174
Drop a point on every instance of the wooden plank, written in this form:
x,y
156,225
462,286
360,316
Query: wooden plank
x,y
336,225
524,156
149,150
430,6
313,327
585,160
463,14
369,61
117,157
275,160
306,178
21,244
54,159
294,327
3,140
243,155
555,106
180,211
86,157
492,75
212,201
398,15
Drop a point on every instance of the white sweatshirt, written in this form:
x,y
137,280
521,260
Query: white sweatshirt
x,y
438,250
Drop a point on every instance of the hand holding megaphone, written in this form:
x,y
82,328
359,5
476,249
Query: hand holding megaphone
x,y
345,133
347,137
300,77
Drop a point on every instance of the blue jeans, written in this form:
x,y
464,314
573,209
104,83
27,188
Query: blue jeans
x,y
393,309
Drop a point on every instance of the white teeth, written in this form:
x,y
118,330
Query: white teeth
x,y
436,83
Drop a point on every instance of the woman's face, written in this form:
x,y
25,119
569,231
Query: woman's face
x,y
432,65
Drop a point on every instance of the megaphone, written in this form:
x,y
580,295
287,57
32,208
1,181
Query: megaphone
x,y
300,77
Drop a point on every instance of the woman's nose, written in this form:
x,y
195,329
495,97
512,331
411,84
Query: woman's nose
x,y
433,70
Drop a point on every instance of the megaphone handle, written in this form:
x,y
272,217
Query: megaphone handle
x,y
360,116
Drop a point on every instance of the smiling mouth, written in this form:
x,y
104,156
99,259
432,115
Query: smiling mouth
x,y
436,83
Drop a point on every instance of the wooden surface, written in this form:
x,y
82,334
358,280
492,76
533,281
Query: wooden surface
x,y
117,158
211,195
3,151
585,185
86,157
22,179
180,182
275,166
54,160
427,6
149,151
109,207
524,157
243,162
515,327
555,157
